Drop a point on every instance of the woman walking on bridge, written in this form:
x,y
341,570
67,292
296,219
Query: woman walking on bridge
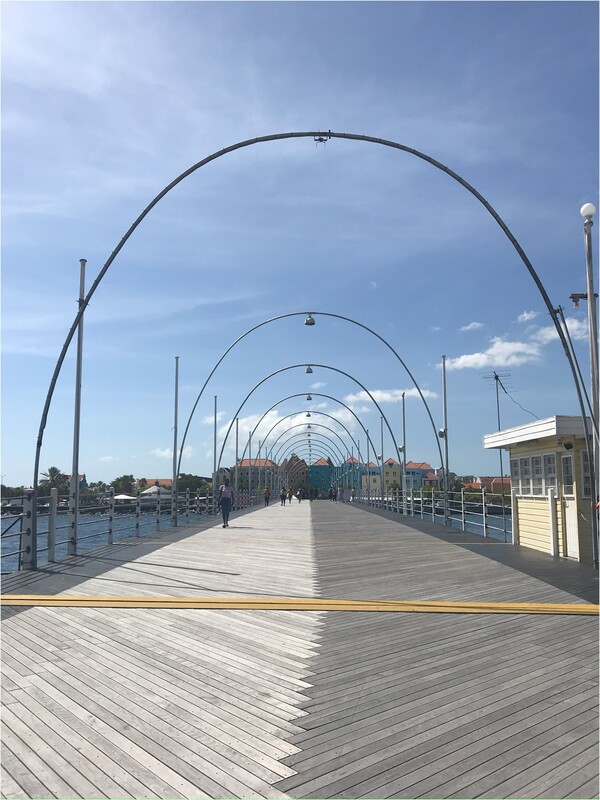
x,y
225,501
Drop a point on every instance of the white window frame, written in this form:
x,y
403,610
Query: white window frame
x,y
586,482
566,457
532,476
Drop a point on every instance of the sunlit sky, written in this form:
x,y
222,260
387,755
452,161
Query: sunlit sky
x,y
105,103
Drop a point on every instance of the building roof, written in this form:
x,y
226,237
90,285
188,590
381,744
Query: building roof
x,y
540,429
351,460
322,462
431,476
392,461
154,481
423,465
256,462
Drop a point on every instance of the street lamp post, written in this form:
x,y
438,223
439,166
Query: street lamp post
x,y
587,212
74,488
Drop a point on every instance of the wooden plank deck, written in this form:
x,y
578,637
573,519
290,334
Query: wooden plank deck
x,y
186,703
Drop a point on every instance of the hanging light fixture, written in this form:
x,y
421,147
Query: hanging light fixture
x,y
308,397
309,370
309,320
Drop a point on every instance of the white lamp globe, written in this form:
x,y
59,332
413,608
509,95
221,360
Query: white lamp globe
x,y
588,210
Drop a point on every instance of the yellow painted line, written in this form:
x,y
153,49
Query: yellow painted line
x,y
298,604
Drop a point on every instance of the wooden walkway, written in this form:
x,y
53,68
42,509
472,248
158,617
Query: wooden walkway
x,y
187,703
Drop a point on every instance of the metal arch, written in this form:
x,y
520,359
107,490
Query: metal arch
x,y
325,447
296,314
296,366
294,414
316,433
269,138
317,394
274,137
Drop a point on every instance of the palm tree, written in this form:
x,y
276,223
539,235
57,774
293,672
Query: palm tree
x,y
53,478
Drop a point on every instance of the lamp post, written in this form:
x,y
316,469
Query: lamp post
x,y
74,488
174,484
587,212
444,435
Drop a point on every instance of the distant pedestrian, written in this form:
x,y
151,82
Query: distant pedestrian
x,y
283,495
330,495
299,495
290,495
335,495
267,495
225,501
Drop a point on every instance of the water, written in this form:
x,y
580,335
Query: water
x,y
93,533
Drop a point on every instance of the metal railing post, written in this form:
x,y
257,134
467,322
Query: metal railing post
x,y
111,515
28,554
52,524
138,511
463,510
158,508
484,509
187,505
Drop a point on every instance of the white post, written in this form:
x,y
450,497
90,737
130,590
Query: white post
x,y
74,488
553,523
463,511
515,516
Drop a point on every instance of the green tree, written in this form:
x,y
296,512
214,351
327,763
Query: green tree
x,y
53,478
125,484
192,482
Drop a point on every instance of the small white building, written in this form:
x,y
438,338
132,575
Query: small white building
x,y
550,485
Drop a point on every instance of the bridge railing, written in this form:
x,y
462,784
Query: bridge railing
x,y
102,518
481,512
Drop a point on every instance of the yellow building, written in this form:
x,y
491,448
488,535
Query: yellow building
x,y
550,486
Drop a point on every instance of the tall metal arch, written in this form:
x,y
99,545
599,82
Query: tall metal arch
x,y
30,534
296,366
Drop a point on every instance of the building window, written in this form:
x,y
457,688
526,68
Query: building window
x,y
549,472
567,470
585,473
537,475
534,475
525,475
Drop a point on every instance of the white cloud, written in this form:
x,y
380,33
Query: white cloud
x,y
211,418
108,458
500,353
388,395
158,453
578,329
434,328
318,385
373,284
527,316
472,326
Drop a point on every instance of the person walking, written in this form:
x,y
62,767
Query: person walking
x,y
290,495
225,501
283,495
267,495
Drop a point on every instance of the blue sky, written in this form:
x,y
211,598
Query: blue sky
x,y
104,104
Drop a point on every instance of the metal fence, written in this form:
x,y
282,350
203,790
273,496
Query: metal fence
x,y
480,512
100,520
